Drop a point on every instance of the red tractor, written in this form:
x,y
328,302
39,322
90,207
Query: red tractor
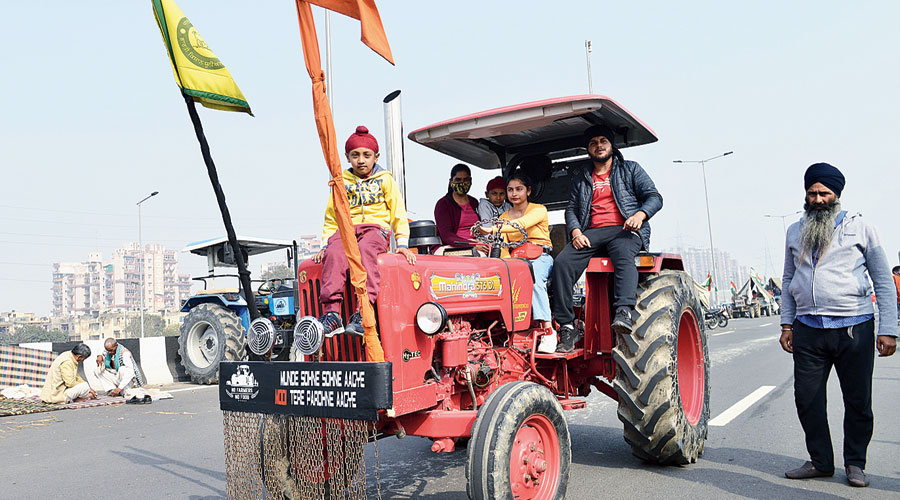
x,y
459,333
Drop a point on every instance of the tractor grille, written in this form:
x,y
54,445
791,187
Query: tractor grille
x,y
339,347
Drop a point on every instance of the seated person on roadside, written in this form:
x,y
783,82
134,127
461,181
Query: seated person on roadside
x,y
609,202
533,218
495,203
115,368
456,212
63,385
376,208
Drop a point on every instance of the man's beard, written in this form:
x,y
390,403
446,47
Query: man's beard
x,y
603,158
818,225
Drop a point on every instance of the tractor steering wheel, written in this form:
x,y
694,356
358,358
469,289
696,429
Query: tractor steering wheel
x,y
269,286
495,238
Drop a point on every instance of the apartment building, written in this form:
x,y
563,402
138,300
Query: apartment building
x,y
81,288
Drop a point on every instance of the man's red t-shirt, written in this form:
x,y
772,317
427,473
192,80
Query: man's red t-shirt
x,y
604,212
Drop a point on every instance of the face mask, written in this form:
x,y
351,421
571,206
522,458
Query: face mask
x,y
461,187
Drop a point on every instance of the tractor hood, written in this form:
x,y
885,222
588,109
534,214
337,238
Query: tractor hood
x,y
492,139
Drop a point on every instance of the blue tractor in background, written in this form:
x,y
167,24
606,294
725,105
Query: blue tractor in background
x,y
218,321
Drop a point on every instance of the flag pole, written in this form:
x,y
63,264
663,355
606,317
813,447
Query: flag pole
x,y
243,273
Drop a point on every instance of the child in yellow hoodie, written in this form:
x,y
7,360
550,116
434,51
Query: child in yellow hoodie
x,y
376,209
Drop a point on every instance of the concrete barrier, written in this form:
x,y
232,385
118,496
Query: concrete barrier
x,y
156,357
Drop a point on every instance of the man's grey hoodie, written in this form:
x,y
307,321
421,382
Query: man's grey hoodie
x,y
838,285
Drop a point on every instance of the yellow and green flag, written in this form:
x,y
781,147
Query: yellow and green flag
x,y
199,73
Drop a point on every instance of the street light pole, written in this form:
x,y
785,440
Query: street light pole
x,y
712,250
587,54
141,246
782,217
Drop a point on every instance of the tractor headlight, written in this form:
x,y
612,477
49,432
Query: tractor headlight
x,y
261,336
431,318
309,334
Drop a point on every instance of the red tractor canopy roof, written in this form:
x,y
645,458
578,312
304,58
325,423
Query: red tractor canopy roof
x,y
491,139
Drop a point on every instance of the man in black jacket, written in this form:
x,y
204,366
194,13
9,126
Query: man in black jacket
x,y
609,203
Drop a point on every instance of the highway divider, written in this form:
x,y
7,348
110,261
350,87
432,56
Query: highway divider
x,y
156,357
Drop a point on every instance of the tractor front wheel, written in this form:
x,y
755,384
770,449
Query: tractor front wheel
x,y
210,333
520,446
662,375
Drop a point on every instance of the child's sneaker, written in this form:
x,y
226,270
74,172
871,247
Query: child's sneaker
x,y
548,343
332,323
354,327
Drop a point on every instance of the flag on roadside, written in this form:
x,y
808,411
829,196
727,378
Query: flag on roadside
x,y
708,282
733,288
199,73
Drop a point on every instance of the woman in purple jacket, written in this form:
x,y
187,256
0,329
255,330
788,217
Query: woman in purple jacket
x,y
455,213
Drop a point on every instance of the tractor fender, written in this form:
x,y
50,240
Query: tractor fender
x,y
238,306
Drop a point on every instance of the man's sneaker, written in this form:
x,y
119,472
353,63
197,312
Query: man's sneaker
x,y
568,336
622,322
548,343
354,327
332,323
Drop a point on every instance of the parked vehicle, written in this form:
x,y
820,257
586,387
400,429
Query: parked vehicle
x,y
216,326
717,317
753,300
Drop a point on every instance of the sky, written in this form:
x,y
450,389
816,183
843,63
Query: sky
x,y
92,120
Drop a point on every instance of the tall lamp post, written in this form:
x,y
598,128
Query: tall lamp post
x,y
141,245
782,217
712,250
587,55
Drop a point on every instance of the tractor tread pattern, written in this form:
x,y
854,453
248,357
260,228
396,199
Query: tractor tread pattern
x,y
488,464
655,425
231,337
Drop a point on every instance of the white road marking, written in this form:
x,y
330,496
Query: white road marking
x,y
197,388
739,407
764,324
722,333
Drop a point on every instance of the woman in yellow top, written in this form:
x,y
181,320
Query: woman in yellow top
x,y
532,217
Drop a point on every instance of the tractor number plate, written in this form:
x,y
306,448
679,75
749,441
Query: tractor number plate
x,y
332,390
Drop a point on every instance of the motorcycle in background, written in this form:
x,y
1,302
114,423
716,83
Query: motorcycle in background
x,y
715,318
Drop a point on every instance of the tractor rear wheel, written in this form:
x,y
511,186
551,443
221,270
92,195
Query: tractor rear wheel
x,y
662,375
520,446
210,333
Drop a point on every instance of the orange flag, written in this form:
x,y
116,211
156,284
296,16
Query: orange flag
x,y
370,22
373,36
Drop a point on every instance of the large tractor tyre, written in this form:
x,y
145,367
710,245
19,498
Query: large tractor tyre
x,y
662,375
520,446
210,333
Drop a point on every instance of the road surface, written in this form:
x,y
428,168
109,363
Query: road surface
x,y
174,448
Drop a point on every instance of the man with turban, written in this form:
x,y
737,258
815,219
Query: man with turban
x,y
827,319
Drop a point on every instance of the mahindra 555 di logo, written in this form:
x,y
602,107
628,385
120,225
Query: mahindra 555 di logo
x,y
465,286
243,385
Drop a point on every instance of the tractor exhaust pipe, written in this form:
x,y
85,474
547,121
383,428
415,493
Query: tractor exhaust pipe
x,y
393,133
